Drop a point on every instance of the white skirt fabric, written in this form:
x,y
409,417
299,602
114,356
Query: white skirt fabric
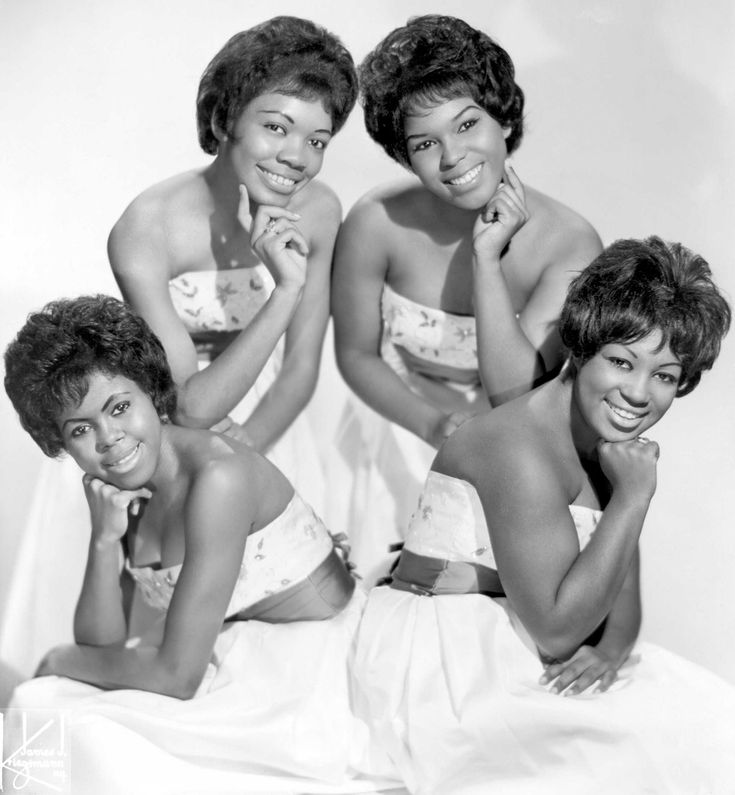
x,y
273,714
451,692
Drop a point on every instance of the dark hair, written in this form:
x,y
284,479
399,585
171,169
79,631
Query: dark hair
x,y
48,364
635,287
433,59
285,54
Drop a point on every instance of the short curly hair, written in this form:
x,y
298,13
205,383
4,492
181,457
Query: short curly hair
x,y
48,364
285,54
635,287
432,59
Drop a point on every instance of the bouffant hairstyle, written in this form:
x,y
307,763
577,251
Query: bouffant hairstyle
x,y
48,364
434,59
285,54
635,287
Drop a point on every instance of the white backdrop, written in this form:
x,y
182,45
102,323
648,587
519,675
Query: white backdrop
x,y
630,120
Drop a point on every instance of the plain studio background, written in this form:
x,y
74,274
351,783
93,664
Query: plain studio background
x,y
630,120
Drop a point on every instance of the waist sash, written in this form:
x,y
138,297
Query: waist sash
x,y
321,595
427,576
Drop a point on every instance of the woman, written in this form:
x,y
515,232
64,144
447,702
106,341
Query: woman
x,y
229,264
218,544
446,290
519,580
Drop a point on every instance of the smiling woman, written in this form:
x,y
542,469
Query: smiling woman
x,y
241,574
519,579
446,291
229,264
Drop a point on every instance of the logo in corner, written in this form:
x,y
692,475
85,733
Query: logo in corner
x,y
34,747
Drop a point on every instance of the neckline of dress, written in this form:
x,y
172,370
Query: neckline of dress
x,y
425,308
572,507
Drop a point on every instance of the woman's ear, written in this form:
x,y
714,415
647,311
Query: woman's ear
x,y
506,132
217,131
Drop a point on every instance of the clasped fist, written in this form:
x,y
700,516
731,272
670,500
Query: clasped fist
x,y
276,240
110,508
502,217
630,466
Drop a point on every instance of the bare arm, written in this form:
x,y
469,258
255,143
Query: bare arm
x,y
99,618
360,270
515,353
219,516
140,260
561,594
598,665
296,381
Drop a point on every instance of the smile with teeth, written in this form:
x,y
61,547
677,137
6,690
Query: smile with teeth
x,y
624,414
467,177
277,178
120,462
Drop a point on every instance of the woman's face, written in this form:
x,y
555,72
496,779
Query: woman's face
x,y
115,433
457,150
277,146
626,387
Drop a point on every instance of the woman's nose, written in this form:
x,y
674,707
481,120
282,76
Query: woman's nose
x,y
292,155
108,434
452,153
635,390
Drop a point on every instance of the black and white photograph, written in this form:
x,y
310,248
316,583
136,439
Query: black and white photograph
x,y
367,411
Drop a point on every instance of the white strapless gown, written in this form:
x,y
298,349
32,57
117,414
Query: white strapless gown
x,y
450,686
273,713
378,468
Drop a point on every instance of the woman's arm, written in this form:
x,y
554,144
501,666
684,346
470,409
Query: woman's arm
x,y
297,378
99,618
140,256
600,663
360,269
561,594
220,514
515,353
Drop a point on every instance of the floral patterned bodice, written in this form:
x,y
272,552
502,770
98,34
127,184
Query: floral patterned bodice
x,y
439,338
212,302
449,523
278,555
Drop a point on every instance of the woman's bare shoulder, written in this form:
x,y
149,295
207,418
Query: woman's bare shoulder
x,y
153,214
564,231
510,444
225,470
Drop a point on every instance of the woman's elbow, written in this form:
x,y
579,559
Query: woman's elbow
x,y
179,683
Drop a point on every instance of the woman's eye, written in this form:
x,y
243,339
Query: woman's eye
x,y
121,407
78,431
275,128
622,363
466,125
317,143
668,378
420,147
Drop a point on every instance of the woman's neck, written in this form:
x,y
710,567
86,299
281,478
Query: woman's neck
x,y
169,467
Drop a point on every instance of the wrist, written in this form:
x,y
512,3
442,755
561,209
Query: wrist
x,y
485,262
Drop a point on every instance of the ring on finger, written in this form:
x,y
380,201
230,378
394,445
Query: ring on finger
x,y
642,439
271,225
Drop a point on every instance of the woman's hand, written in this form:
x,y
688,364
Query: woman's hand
x,y
276,240
630,466
236,430
502,217
109,508
585,667
447,425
